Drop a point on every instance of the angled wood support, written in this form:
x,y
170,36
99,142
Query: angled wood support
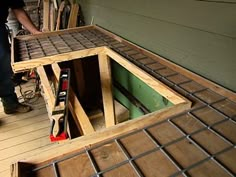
x,y
49,96
106,84
78,113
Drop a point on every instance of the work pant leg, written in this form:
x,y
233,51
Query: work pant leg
x,y
7,89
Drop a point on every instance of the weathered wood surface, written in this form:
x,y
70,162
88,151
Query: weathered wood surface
x,y
106,84
200,142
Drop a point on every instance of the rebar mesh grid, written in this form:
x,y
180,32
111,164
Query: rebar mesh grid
x,y
209,117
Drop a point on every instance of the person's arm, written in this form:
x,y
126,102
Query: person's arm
x,y
24,19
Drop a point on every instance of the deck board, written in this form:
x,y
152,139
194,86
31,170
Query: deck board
x,y
22,135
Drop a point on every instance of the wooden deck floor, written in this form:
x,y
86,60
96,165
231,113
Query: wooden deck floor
x,y
23,135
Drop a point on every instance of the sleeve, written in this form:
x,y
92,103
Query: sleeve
x,y
15,4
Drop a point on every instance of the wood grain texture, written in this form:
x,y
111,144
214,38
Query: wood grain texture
x,y
106,84
46,12
49,96
73,15
25,65
110,132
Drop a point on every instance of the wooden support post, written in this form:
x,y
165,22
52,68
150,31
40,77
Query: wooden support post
x,y
46,12
81,119
78,67
61,8
52,17
106,84
73,15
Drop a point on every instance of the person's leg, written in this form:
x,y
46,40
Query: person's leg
x,y
7,89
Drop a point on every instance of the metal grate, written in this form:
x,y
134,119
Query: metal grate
x,y
180,169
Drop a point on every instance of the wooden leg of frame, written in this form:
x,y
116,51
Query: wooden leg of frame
x,y
106,84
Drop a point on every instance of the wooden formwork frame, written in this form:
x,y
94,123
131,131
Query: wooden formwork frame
x,y
25,65
104,56
180,104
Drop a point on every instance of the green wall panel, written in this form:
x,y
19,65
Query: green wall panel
x,y
197,35
137,88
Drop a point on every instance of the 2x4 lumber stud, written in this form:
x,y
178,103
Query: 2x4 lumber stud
x,y
46,10
106,84
29,64
49,96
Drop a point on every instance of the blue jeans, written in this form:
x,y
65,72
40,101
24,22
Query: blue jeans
x,y
7,89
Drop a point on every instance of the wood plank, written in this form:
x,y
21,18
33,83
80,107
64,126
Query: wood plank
x,y
49,96
180,149
127,171
78,67
24,130
165,133
5,164
111,155
25,122
38,133
110,132
227,129
29,64
46,33
46,12
55,4
209,168
187,123
75,107
22,148
16,118
83,166
106,84
210,141
208,115
229,159
59,14
137,143
158,86
52,17
73,15
163,166
227,107
8,173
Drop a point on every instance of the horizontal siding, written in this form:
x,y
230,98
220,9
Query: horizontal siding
x,y
199,36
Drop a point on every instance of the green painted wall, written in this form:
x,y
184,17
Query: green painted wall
x,y
195,34
152,100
